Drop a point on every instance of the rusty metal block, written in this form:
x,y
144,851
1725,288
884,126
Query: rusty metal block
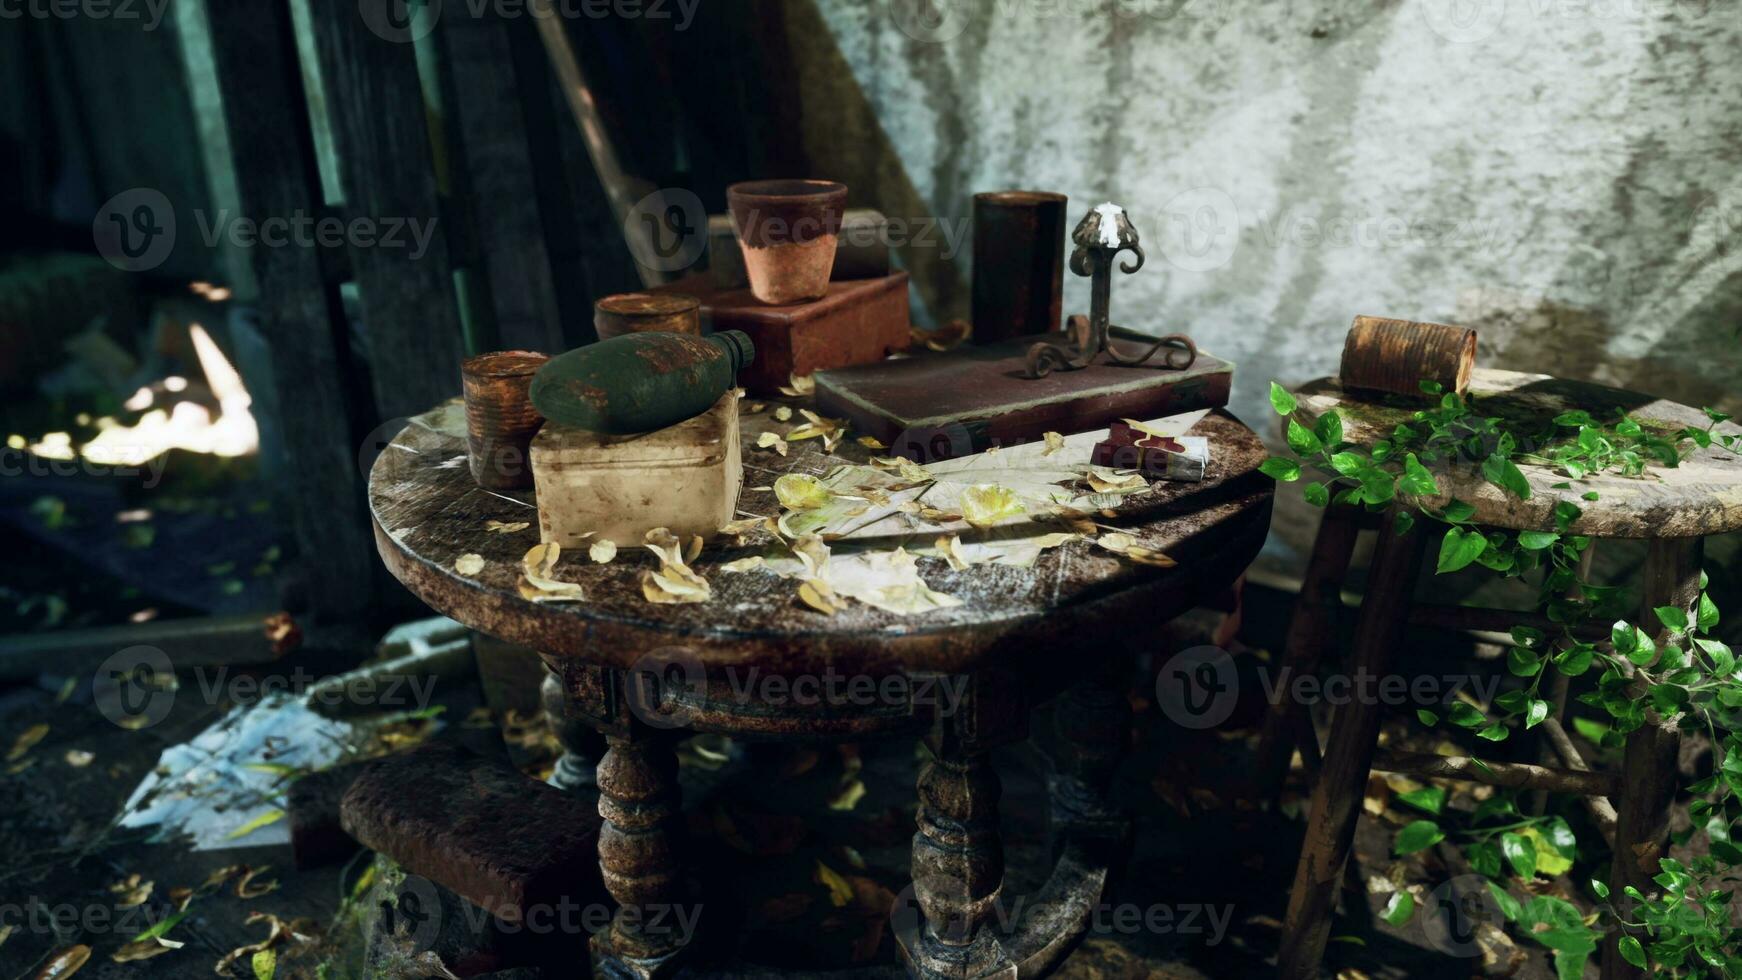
x,y
312,810
497,838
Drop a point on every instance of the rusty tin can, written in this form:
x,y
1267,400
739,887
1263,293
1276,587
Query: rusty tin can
x,y
624,313
1019,264
500,419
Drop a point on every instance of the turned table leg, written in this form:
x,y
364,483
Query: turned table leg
x,y
1091,721
581,743
958,866
1649,770
639,801
1336,801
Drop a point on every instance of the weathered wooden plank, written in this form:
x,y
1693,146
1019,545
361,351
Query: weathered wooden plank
x,y
376,111
272,150
489,132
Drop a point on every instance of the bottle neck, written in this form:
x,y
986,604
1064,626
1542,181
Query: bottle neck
x,y
738,347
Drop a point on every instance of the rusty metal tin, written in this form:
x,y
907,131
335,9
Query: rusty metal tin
x,y
500,419
624,313
1019,264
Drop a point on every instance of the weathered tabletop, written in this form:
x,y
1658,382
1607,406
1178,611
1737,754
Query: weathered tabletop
x,y
427,512
1701,496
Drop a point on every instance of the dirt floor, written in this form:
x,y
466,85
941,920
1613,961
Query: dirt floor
x,y
1202,895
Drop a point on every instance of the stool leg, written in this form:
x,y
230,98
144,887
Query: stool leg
x,y
1648,767
582,744
1091,720
1336,802
639,800
1309,629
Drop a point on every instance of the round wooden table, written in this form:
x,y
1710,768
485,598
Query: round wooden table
x,y
753,661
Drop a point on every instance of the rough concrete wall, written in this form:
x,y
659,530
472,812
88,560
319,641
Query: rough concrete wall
x,y
1561,174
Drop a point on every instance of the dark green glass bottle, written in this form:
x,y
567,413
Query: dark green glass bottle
x,y
640,382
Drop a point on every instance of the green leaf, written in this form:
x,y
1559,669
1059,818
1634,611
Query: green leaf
x,y
1723,661
1520,853
1600,888
1707,616
1457,512
1536,540
1429,798
1281,470
1316,494
1405,521
1281,400
1624,636
1494,733
1302,440
1537,712
1509,906
1522,662
160,928
1673,617
1506,475
1418,836
1399,909
1576,659
1417,481
1460,548
1427,717
1434,387
1465,716
1631,951
1349,464
1484,858
265,964
1329,429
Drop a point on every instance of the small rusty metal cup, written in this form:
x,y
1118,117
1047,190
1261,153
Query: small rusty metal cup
x,y
500,419
1019,264
624,313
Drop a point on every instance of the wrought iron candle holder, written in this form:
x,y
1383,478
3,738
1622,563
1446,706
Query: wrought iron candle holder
x,y
1099,238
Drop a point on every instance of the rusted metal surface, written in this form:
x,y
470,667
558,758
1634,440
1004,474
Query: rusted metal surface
x,y
788,231
624,313
500,419
479,827
1019,264
312,809
427,515
1395,356
1098,243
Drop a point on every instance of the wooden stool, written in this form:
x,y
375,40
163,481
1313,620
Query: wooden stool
x,y
1672,509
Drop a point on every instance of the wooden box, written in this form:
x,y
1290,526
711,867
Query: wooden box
x,y
860,321
940,406
685,478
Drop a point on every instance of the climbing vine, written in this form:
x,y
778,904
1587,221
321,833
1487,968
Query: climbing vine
x,y
1685,928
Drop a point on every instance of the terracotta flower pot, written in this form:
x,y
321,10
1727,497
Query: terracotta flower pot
x,y
788,231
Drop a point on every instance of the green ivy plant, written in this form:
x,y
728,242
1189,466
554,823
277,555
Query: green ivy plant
x,y
1691,679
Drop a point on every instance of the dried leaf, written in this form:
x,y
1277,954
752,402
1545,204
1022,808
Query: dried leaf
x,y
951,548
1125,545
796,491
849,796
754,407
78,758
65,963
132,892
740,528
1054,443
745,564
1103,480
984,505
870,442
800,387
694,551
536,584
503,527
812,552
816,594
840,893
783,414
602,551
246,888
469,565
142,950
667,589
888,580
26,741
771,440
